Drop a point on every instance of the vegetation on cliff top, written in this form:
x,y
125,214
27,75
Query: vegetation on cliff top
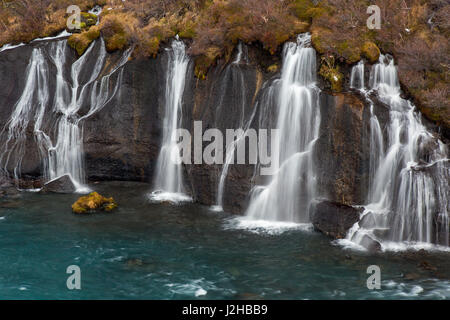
x,y
416,32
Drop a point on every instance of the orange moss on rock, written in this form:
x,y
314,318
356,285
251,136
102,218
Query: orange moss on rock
x,y
93,202
371,51
80,41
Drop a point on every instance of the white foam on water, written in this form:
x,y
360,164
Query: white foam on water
x,y
265,226
200,292
30,190
348,245
391,246
216,208
195,288
172,197
422,289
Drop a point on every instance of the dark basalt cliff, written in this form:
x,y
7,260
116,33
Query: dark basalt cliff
x,y
122,141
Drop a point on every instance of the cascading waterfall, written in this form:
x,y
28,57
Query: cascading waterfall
x,y
288,195
234,76
56,116
408,198
357,77
168,182
376,136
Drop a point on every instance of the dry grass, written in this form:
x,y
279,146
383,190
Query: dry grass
x,y
421,48
25,20
416,32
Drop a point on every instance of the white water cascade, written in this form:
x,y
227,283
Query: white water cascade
x,y
408,199
54,112
287,196
357,77
168,182
234,77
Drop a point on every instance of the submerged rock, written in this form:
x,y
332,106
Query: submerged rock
x,y
334,219
63,184
134,262
92,203
7,189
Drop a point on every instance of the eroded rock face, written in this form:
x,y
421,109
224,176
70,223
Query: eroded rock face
x,y
342,149
225,101
334,219
122,141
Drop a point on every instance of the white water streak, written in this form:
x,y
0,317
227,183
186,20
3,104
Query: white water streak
x,y
288,195
168,182
408,192
37,104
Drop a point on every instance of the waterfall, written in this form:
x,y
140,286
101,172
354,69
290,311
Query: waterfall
x,y
234,81
408,200
290,190
357,82
357,77
55,112
168,182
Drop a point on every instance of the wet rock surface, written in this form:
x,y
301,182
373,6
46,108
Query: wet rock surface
x,y
122,141
63,184
334,219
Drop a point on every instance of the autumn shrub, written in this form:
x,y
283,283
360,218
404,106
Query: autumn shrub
x,y
80,41
226,22
415,32
25,20
118,30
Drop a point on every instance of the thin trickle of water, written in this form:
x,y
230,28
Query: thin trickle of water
x,y
357,82
233,79
229,158
168,182
408,198
288,195
65,154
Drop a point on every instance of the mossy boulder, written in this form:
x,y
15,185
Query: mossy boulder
x,y
118,30
371,51
88,19
93,202
80,41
